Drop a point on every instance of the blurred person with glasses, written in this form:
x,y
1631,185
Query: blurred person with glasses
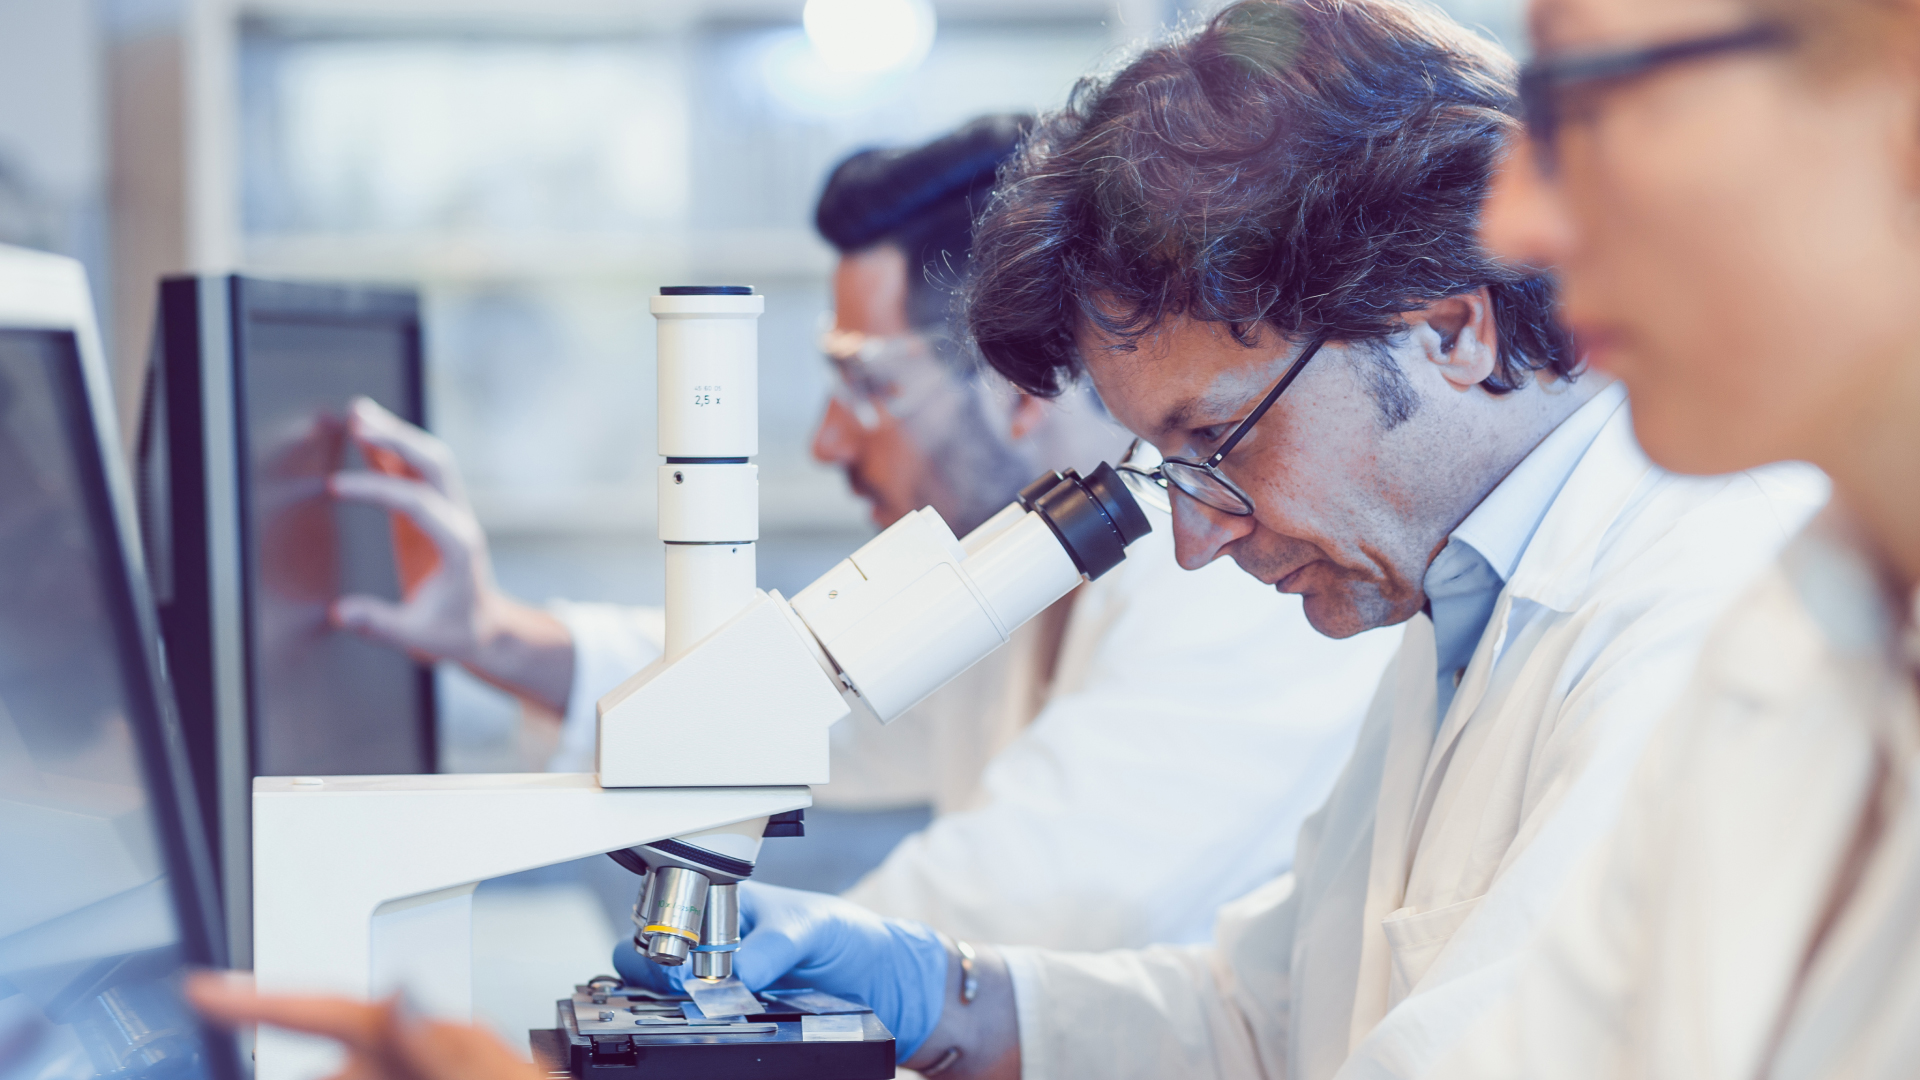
x,y
1042,763
1728,192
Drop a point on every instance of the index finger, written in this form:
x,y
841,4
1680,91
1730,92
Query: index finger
x,y
373,425
228,1002
766,956
420,502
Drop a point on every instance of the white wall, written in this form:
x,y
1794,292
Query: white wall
x,y
52,124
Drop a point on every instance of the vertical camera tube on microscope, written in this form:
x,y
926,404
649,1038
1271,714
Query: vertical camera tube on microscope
x,y
709,407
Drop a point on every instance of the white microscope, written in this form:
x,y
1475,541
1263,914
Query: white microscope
x,y
364,885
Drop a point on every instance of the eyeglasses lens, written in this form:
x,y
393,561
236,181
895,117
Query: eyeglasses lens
x,y
1208,487
1146,488
1139,469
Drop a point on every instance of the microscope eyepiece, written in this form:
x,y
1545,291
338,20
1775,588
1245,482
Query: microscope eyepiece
x,y
1095,517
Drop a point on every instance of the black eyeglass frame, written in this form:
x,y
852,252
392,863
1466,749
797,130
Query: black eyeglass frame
x,y
1544,79
1211,466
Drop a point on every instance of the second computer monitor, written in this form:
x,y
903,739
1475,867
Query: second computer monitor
x,y
247,418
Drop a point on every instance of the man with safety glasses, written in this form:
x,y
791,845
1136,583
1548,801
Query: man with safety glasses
x,y
1258,243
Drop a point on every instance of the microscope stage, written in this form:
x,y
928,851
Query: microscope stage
x,y
634,1034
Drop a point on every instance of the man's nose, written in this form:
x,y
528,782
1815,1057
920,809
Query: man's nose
x,y
1525,222
1200,532
837,440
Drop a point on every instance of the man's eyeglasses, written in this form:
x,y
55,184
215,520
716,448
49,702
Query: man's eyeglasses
x,y
1147,474
1545,82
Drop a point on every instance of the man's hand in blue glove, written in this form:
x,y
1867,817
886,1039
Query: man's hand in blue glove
x,y
905,972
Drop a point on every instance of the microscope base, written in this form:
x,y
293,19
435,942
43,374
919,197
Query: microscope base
x,y
363,885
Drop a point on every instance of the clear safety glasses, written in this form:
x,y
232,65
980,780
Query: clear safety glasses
x,y
1147,474
898,373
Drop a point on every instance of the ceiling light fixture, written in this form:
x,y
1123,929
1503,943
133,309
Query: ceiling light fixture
x,y
870,36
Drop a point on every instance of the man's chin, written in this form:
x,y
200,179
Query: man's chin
x,y
1338,614
878,509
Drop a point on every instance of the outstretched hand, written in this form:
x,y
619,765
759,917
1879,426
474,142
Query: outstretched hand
x,y
450,607
383,1041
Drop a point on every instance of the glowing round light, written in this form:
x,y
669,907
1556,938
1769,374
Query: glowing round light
x,y
870,35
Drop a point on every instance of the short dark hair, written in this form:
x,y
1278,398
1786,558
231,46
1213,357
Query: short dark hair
x,y
1317,166
923,198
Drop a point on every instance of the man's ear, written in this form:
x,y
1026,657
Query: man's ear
x,y
1028,411
1458,336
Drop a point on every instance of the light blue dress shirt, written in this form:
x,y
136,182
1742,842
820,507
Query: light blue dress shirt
x,y
1464,581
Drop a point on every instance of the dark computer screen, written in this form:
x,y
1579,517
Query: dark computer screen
x,y
94,928
324,702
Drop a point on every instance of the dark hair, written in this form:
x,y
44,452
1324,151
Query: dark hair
x,y
924,199
1314,165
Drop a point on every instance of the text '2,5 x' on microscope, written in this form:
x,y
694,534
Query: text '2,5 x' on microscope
x,y
364,885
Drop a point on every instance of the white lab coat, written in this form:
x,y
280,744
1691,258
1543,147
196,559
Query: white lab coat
x,y
1192,721
1675,952
1416,883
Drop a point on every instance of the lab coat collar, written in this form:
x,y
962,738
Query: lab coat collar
x,y
1857,611
1502,527
1841,587
1464,582
1556,569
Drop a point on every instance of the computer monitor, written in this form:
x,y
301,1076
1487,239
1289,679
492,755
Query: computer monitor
x,y
244,420
107,890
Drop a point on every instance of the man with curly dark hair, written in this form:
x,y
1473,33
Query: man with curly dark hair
x,y
1296,173
1257,242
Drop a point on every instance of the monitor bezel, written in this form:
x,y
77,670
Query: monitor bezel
x,y
49,293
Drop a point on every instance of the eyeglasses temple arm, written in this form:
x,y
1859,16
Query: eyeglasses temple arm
x,y
1618,65
1266,403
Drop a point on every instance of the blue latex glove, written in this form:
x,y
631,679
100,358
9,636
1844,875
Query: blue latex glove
x,y
803,939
